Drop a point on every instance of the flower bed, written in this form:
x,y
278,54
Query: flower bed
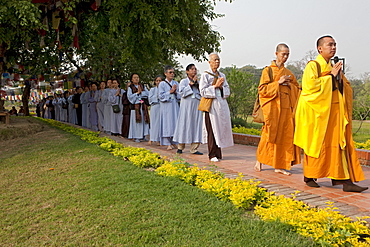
x,y
325,226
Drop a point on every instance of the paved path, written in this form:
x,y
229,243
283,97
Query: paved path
x,y
241,159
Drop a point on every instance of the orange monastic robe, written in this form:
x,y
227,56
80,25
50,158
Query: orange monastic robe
x,y
324,126
278,103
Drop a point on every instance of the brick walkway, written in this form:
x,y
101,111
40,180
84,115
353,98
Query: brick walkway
x,y
241,159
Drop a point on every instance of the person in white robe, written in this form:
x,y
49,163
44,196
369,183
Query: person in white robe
x,y
189,124
217,130
107,107
139,117
100,105
85,109
64,109
72,116
154,112
169,110
115,99
92,105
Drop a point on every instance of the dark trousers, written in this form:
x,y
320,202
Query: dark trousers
x,y
79,115
213,149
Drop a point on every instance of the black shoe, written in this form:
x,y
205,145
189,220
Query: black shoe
x,y
198,153
179,151
312,183
353,188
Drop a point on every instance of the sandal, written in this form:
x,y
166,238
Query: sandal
x,y
283,172
258,166
169,147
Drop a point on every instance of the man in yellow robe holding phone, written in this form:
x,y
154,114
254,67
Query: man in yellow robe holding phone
x,y
324,122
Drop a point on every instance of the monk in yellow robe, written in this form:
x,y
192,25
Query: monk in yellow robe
x,y
278,94
324,122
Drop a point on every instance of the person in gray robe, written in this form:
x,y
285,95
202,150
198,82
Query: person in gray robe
x,y
189,124
107,107
49,107
85,109
64,109
100,105
93,113
154,112
169,110
72,116
115,99
57,106
139,117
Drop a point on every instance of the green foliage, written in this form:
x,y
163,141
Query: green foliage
x,y
243,92
121,37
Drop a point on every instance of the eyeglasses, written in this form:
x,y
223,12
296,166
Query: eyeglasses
x,y
171,72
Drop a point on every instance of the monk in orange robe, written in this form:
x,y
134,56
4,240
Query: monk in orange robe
x,y
324,122
278,94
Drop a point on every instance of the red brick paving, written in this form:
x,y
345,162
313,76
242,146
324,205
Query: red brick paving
x,y
241,159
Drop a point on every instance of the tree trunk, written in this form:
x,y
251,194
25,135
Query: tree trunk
x,y
2,64
25,97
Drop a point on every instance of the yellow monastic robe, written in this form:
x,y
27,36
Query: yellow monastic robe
x,y
278,103
324,126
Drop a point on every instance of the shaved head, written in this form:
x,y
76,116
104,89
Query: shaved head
x,y
279,47
320,41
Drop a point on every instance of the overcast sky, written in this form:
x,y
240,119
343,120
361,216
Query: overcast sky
x,y
252,29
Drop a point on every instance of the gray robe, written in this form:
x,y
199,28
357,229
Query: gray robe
x,y
169,110
93,117
154,115
115,118
107,110
100,107
72,116
189,124
137,130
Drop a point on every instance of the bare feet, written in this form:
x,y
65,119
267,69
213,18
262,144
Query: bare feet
x,y
149,142
258,166
283,172
169,147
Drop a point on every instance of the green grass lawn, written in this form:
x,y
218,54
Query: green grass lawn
x,y
57,190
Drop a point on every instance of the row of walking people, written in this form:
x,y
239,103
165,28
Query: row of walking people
x,y
167,113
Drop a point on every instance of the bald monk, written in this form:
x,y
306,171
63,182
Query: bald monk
x,y
324,122
278,94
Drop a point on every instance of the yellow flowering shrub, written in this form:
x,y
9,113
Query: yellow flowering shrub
x,y
324,226
244,130
241,193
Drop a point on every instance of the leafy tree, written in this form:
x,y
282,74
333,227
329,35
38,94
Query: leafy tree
x,y
243,92
114,39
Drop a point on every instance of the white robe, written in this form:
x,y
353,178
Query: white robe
x,y
137,130
219,113
189,124
154,115
107,110
72,116
100,107
169,110
116,118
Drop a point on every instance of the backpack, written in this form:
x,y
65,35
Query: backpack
x,y
257,113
